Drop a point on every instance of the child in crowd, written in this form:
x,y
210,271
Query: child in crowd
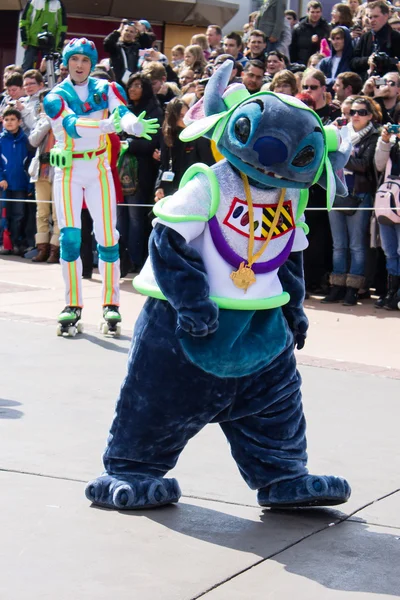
x,y
177,54
15,154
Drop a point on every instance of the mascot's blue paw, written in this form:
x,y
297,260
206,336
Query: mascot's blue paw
x,y
199,320
140,492
308,490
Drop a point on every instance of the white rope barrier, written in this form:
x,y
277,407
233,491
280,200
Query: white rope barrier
x,y
310,208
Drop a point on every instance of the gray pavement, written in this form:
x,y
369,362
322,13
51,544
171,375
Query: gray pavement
x,y
57,398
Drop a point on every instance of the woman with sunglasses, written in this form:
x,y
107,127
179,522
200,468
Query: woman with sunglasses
x,y
318,255
389,147
350,233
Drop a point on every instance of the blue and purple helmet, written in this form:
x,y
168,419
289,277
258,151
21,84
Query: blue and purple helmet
x,y
80,46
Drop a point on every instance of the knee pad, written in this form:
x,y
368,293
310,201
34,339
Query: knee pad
x,y
70,243
108,254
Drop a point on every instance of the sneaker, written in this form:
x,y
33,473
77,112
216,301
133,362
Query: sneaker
x,y
5,252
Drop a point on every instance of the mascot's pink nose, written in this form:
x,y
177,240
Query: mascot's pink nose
x,y
270,151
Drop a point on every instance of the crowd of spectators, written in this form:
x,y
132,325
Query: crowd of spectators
x,y
347,70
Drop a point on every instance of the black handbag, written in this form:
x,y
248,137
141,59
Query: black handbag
x,y
347,204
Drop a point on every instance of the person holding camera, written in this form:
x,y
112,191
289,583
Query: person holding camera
x,y
389,231
123,46
377,51
42,173
385,91
37,16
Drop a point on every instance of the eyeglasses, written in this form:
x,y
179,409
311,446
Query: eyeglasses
x,y
362,112
310,87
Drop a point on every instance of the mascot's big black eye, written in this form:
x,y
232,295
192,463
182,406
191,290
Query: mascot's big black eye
x,y
304,157
242,129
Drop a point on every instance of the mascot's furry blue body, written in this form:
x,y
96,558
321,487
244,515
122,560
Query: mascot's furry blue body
x,y
215,341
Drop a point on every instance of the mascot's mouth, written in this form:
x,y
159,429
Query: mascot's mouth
x,y
265,171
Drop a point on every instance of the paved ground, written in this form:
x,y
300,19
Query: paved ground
x,y
217,543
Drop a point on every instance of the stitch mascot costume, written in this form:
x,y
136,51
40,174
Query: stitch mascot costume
x,y
215,341
79,108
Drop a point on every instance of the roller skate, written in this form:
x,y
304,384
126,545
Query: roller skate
x,y
69,323
111,322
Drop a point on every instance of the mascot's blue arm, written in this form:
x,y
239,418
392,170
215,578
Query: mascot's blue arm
x,y
181,276
291,275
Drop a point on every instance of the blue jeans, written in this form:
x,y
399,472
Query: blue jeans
x,y
390,239
350,238
15,215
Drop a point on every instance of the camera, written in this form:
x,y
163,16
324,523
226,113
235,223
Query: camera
x,y
393,128
357,26
384,63
203,81
46,40
380,81
341,121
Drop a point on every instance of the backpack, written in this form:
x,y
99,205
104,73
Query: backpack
x,y
387,198
127,169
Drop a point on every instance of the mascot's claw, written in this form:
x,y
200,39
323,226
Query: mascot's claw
x,y
141,492
308,490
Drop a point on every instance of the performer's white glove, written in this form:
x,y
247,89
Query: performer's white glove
x,y
139,126
107,125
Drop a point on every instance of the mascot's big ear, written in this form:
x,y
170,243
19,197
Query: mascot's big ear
x,y
213,105
215,89
339,150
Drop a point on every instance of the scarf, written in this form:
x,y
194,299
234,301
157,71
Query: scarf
x,y
356,137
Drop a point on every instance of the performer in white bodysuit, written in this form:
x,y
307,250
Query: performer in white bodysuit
x,y
79,108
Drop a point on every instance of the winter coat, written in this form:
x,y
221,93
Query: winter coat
x,y
271,19
285,40
344,65
183,155
30,112
362,164
114,47
382,154
302,47
386,40
15,154
38,139
36,14
143,149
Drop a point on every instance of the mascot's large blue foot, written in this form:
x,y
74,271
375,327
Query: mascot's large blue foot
x,y
140,492
308,490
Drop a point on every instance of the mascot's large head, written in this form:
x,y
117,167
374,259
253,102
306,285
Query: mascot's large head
x,y
275,139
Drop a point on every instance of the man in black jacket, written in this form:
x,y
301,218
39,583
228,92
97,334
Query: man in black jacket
x,y
123,46
381,38
307,35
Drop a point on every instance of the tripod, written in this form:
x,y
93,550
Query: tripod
x,y
50,70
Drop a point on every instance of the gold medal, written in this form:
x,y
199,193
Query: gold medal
x,y
244,277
